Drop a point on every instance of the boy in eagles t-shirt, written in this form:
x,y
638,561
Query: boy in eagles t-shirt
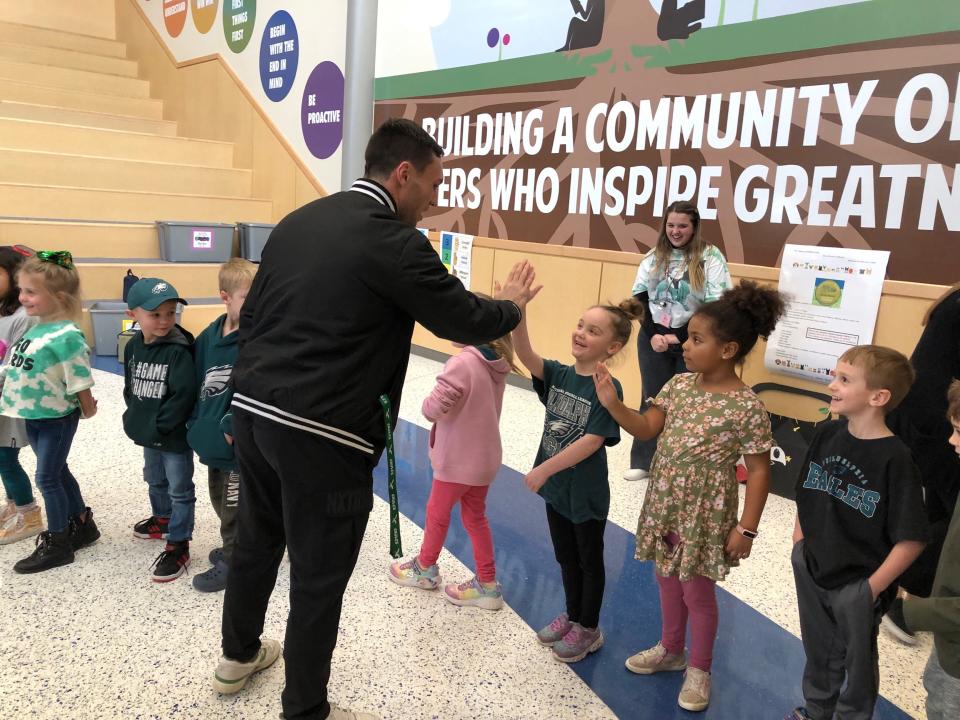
x,y
210,430
860,523
159,388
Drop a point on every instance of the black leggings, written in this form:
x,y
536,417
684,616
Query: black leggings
x,y
579,550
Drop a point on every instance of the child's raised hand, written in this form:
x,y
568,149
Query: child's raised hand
x,y
603,382
535,479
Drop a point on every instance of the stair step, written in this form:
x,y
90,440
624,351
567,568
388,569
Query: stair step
x,y
47,168
19,200
69,116
105,279
75,139
63,58
83,239
28,92
68,78
91,17
45,37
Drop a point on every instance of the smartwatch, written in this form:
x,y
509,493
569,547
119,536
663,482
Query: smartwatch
x,y
749,534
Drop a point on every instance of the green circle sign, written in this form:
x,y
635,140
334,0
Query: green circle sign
x,y
238,20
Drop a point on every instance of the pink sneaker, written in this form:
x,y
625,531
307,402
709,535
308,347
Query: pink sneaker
x,y
555,631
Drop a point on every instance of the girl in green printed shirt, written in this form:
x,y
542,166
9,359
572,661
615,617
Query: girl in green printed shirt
x,y
47,383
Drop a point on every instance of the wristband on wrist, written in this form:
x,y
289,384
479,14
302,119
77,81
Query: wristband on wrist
x,y
749,534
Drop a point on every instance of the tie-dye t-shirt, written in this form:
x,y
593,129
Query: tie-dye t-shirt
x,y
48,366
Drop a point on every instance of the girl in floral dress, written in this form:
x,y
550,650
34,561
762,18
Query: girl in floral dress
x,y
688,525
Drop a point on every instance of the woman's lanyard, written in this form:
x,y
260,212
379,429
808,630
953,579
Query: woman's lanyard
x,y
396,546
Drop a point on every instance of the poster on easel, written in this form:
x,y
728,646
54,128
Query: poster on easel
x,y
833,299
456,252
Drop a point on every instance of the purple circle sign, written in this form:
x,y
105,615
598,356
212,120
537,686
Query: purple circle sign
x,y
321,111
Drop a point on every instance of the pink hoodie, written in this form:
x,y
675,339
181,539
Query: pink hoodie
x,y
465,410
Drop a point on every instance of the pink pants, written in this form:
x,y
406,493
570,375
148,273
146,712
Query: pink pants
x,y
697,598
473,504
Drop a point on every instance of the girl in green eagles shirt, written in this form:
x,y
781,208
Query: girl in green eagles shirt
x,y
47,383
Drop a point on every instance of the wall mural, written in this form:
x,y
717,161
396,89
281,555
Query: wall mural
x,y
575,122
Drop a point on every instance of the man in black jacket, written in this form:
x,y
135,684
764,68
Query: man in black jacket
x,y
325,331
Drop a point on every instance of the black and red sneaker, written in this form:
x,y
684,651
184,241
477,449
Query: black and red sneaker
x,y
172,562
153,528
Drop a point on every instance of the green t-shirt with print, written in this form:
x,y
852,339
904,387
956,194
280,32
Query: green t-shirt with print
x,y
48,366
581,492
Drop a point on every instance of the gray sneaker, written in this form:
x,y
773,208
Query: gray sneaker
x,y
577,644
213,580
555,631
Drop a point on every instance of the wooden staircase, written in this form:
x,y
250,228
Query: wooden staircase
x,y
88,162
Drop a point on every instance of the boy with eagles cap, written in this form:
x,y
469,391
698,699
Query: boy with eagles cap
x,y
159,389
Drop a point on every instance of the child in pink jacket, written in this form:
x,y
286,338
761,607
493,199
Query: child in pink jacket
x,y
465,453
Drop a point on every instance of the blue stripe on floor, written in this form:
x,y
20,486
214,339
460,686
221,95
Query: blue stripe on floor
x,y
757,664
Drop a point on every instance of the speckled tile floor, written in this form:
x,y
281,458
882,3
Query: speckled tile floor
x,y
97,639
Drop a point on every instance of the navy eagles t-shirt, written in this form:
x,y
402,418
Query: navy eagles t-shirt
x,y
856,499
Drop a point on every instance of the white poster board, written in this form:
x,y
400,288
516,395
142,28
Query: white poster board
x,y
833,298
456,252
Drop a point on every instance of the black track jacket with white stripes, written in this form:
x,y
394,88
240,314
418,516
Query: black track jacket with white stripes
x,y
326,327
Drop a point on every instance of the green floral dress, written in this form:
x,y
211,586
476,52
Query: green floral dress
x,y
693,486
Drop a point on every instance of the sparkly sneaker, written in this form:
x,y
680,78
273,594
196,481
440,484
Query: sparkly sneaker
x,y
409,573
695,693
474,593
152,528
231,675
21,525
8,510
577,644
554,632
172,562
654,660
83,532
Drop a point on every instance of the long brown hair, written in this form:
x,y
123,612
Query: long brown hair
x,y
693,250
939,301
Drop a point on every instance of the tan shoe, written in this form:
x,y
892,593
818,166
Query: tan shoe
x,y
695,693
22,525
8,510
231,675
654,660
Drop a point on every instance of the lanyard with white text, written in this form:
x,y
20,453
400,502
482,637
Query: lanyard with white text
x,y
396,548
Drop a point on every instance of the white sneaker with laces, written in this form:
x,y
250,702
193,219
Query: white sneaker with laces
x,y
231,675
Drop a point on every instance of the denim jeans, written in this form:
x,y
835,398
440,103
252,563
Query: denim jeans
x,y
51,440
169,476
943,691
15,480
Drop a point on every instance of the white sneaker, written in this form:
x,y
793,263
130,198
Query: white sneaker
x,y
636,474
231,675
338,713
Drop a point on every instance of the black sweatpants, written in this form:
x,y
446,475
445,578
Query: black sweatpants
x,y
285,500
224,486
578,548
839,632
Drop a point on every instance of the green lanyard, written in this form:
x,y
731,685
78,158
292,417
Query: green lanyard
x,y
396,548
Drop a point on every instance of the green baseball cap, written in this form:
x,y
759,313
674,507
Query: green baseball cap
x,y
150,293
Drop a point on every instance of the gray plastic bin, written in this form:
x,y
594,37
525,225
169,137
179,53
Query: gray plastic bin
x,y
195,241
253,236
107,317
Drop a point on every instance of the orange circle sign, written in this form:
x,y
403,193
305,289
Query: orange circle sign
x,y
204,14
174,16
